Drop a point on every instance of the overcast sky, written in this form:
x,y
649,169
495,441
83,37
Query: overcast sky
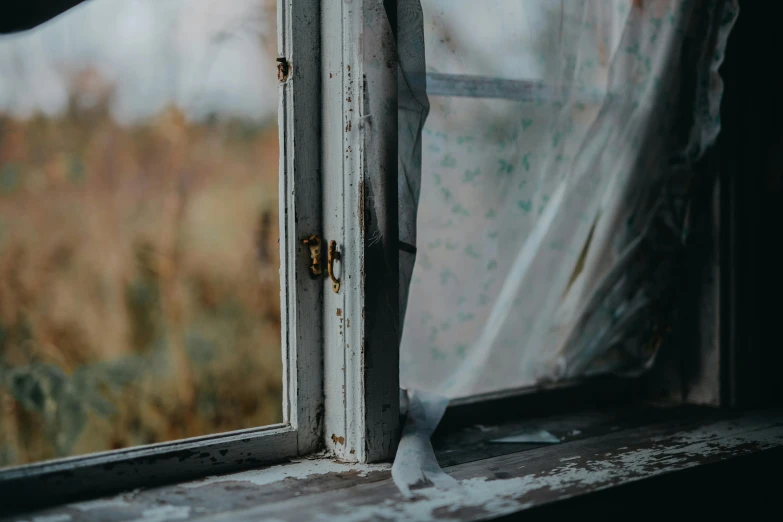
x,y
203,55
219,55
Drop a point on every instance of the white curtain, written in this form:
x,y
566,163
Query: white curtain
x,y
555,164
550,214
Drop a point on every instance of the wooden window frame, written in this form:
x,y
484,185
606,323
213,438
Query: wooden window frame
x,y
359,162
340,351
304,345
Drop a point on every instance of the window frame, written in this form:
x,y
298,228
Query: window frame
x,y
340,350
301,297
359,162
341,379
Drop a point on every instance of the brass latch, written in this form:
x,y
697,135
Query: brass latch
x,y
314,244
334,255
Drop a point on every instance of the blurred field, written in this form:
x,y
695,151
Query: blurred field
x,y
139,292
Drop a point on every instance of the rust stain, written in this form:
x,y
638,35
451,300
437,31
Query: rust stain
x,y
330,75
360,211
638,4
349,67
338,440
348,323
339,312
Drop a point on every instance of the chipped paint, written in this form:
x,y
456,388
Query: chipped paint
x,y
109,503
484,489
482,496
296,470
164,514
52,518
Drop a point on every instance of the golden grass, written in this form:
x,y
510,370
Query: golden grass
x,y
139,297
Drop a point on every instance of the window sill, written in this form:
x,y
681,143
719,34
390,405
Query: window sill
x,y
628,459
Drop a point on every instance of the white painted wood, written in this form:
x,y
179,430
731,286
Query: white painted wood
x,y
333,157
300,216
353,185
360,364
301,304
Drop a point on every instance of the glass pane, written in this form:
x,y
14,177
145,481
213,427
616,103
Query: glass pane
x,y
139,290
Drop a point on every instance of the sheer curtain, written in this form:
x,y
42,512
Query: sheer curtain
x,y
551,179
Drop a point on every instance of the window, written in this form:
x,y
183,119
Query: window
x,y
339,265
339,365
140,262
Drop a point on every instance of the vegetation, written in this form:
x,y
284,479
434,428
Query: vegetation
x,y
139,291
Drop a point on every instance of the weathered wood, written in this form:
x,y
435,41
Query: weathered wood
x,y
301,308
381,278
216,495
473,443
49,483
361,351
509,484
300,200
241,491
610,453
334,154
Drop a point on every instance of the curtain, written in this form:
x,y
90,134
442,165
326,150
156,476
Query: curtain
x,y
545,199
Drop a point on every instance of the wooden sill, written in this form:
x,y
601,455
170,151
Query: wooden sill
x,y
632,459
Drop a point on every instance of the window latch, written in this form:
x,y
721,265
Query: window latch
x,y
314,244
334,255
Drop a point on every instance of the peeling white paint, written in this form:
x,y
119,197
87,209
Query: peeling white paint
x,y
164,514
107,503
649,461
505,496
53,518
476,496
295,470
495,497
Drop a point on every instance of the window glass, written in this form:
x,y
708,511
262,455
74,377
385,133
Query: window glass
x,y
139,290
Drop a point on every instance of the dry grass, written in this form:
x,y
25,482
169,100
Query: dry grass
x,y
139,297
